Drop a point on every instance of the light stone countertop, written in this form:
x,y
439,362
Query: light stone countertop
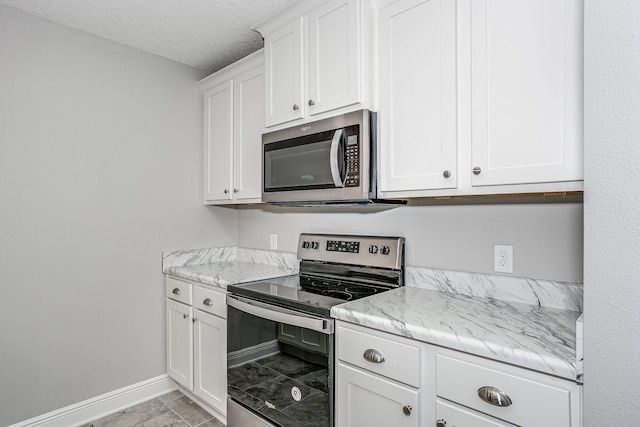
x,y
537,338
224,273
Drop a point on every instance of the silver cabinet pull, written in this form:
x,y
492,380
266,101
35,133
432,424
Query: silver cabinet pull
x,y
373,356
441,423
176,291
494,396
208,302
295,107
311,103
407,410
446,174
477,170
235,190
226,191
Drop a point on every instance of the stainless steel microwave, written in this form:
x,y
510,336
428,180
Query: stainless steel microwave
x,y
330,161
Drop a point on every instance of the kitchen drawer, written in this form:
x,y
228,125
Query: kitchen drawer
x,y
178,290
534,403
401,356
457,416
210,300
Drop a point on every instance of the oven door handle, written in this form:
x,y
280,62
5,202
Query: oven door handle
x,y
280,314
337,158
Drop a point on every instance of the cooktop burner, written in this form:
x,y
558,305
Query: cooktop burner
x,y
337,289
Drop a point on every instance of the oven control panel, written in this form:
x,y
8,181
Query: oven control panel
x,y
386,252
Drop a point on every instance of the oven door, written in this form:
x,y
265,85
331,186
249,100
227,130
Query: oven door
x,y
280,366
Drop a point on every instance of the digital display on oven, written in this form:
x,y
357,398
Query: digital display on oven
x,y
343,246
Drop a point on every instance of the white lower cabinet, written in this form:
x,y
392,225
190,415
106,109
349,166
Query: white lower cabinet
x,y
197,341
387,380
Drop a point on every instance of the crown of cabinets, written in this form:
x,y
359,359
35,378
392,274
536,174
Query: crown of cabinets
x,y
480,97
314,59
233,126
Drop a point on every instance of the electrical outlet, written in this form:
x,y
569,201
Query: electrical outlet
x,y
503,258
273,241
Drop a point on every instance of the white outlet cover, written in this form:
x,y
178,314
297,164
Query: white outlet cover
x,y
503,258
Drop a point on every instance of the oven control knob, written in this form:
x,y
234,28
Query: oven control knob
x,y
306,245
315,245
385,250
373,249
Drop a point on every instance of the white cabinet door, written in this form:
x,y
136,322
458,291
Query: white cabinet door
x,y
248,115
180,343
211,360
334,56
527,73
218,154
458,416
284,66
365,399
417,114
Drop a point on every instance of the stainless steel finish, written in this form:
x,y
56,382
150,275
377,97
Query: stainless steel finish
x,y
311,103
393,247
176,291
208,302
407,410
335,169
281,314
238,416
446,173
494,396
477,170
362,193
441,423
295,107
373,356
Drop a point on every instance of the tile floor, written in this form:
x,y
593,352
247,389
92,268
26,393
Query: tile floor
x,y
170,410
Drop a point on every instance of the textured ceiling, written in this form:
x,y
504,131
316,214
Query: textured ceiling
x,y
205,34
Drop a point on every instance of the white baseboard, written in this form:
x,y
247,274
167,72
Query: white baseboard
x,y
249,354
99,406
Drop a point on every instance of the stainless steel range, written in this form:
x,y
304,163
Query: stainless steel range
x,y
280,333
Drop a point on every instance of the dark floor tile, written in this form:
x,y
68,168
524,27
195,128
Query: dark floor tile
x,y
277,392
318,380
309,411
134,415
289,365
248,375
189,411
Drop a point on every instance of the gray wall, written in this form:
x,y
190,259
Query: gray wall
x,y
546,238
100,170
611,211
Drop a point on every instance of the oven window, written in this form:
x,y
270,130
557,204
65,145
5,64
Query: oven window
x,y
278,371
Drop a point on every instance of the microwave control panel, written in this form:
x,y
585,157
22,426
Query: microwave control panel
x,y
353,162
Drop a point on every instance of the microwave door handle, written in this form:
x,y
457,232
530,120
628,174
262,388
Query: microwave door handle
x,y
336,158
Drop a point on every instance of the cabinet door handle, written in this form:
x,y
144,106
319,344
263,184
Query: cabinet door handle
x,y
226,191
184,316
407,410
494,396
373,356
208,302
295,107
311,103
176,291
235,190
477,170
446,173
441,423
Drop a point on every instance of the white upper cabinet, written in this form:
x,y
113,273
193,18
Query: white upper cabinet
x,y
480,97
313,59
526,91
417,115
234,123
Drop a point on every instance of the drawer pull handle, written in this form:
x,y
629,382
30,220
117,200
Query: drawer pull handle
x,y
176,291
373,356
208,302
441,423
494,396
